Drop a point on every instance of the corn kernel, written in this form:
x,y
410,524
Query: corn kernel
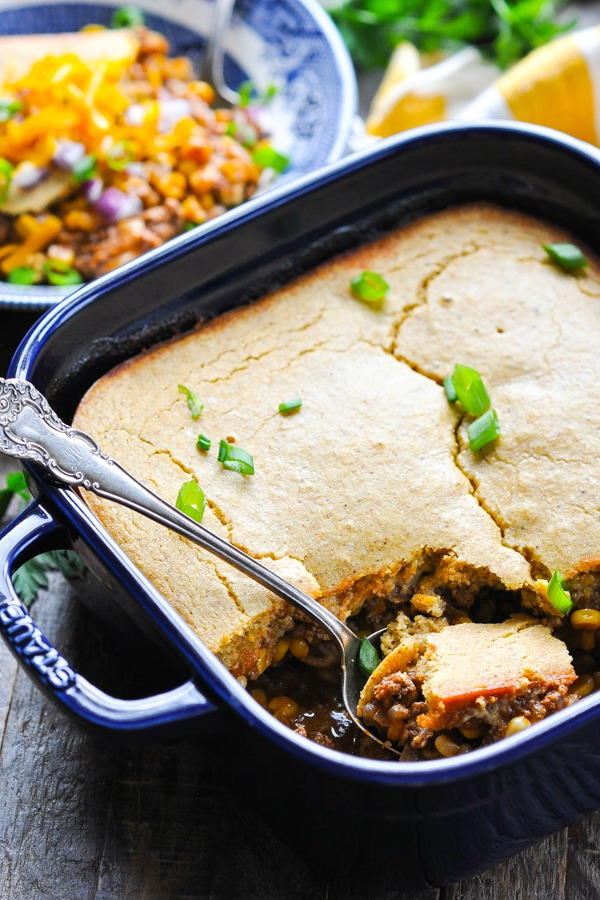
x,y
299,648
172,185
283,708
462,620
446,746
259,695
584,685
262,661
471,731
519,723
80,220
586,619
192,211
281,648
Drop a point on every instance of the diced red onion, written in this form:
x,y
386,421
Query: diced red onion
x,y
114,205
170,112
135,114
28,175
68,154
92,189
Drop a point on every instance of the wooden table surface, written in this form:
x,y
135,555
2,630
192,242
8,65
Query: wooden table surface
x,y
84,816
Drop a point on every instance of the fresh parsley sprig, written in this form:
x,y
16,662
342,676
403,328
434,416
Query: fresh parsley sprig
x,y
504,30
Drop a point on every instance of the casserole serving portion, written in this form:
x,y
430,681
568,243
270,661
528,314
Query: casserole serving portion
x,y
369,496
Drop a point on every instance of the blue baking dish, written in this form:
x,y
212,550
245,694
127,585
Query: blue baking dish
x,y
440,820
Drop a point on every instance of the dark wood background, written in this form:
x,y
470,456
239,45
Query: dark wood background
x,y
86,816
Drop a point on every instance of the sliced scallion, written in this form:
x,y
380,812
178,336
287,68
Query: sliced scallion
x,y
470,390
203,443
127,16
268,157
245,93
370,287
558,597
6,174
191,500
368,657
290,406
23,275
85,168
9,108
58,272
566,256
483,430
193,401
120,155
450,389
235,459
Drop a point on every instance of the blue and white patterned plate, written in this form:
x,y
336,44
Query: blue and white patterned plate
x,y
291,43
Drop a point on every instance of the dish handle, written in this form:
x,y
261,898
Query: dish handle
x,y
34,532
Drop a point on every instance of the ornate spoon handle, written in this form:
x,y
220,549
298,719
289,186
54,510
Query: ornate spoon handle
x,y
31,430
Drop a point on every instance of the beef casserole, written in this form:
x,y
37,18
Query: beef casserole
x,y
368,496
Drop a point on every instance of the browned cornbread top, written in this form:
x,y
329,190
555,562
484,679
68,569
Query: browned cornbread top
x,y
369,480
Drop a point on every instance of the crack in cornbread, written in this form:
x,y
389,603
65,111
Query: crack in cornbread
x,y
370,487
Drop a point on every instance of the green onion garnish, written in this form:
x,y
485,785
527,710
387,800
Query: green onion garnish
x,y
370,287
450,389
191,500
203,443
58,272
245,92
193,401
9,108
6,174
235,459
231,129
290,406
120,155
470,390
368,657
558,597
483,430
269,93
566,256
23,275
269,158
127,16
189,226
85,168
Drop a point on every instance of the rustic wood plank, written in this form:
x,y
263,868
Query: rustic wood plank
x,y
536,874
8,674
583,860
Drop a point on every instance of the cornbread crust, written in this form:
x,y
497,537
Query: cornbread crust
x,y
368,486
468,670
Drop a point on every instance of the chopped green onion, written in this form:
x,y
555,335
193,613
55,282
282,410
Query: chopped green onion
x,y
231,129
566,256
191,500
235,459
558,597
368,657
189,226
85,168
58,272
483,430
269,93
6,174
290,406
23,275
203,443
268,157
450,389
127,16
470,390
369,287
9,108
120,155
193,401
245,92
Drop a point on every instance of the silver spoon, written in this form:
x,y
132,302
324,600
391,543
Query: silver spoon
x,y
214,52
30,429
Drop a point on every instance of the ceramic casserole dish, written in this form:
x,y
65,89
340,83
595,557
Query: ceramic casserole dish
x,y
439,820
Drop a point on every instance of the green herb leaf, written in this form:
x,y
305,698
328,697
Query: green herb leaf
x,y
203,443
269,158
470,390
193,401
127,16
191,500
16,486
483,430
85,168
32,576
504,31
290,406
558,597
450,389
370,287
566,256
235,459
9,108
368,657
23,275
